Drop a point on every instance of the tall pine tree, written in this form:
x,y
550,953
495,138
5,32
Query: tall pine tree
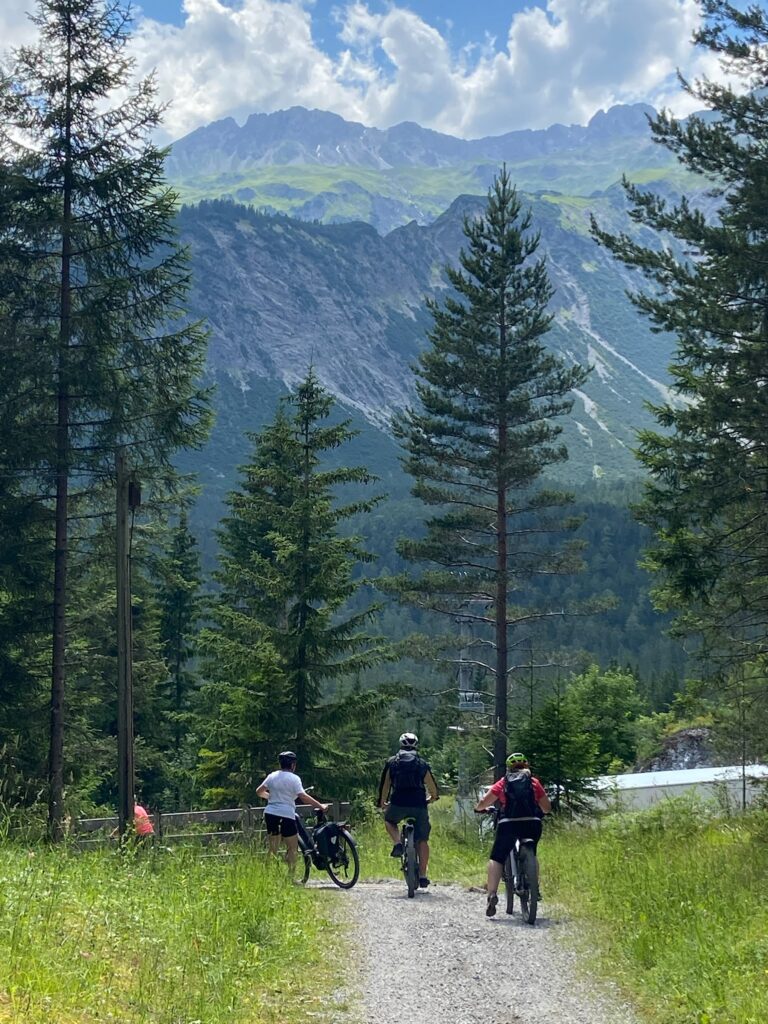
x,y
707,498
482,434
283,641
108,358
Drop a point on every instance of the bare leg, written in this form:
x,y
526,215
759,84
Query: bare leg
x,y
291,851
423,849
273,844
495,871
393,831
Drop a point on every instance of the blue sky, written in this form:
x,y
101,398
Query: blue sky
x,y
466,67
462,20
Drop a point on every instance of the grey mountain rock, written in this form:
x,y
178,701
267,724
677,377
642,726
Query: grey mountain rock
x,y
300,136
280,293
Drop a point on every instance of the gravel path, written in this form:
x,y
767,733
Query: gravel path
x,y
437,959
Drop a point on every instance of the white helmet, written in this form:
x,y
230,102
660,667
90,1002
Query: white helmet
x,y
409,741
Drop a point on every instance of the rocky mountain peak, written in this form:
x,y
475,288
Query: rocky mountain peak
x,y
620,120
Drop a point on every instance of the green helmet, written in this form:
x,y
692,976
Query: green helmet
x,y
517,758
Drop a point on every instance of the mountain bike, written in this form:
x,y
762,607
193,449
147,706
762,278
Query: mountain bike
x,y
410,857
520,874
334,850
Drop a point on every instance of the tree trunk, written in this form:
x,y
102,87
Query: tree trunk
x,y
500,734
60,558
303,611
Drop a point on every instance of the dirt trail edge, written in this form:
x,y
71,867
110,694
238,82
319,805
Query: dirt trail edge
x,y
437,959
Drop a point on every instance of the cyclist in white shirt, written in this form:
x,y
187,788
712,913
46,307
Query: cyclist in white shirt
x,y
281,790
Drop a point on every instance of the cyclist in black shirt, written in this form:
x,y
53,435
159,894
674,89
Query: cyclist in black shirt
x,y
406,782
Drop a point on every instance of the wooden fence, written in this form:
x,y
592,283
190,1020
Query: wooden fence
x,y
232,824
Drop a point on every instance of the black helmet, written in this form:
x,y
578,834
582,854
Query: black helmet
x,y
286,759
409,741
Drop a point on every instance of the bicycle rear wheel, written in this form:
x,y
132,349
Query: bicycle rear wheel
x,y
411,867
509,883
345,869
529,886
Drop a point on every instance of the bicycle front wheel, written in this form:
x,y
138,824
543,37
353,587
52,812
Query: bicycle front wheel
x,y
509,883
529,886
345,869
411,868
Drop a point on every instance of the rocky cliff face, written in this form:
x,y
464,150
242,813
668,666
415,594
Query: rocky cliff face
x,y
280,294
346,230
300,136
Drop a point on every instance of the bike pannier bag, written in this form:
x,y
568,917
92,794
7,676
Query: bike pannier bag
x,y
327,839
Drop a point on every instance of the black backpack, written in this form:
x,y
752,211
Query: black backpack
x,y
520,799
407,771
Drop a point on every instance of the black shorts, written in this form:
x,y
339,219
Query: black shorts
x,y
511,830
421,829
277,825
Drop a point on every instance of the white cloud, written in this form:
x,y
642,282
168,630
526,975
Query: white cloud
x,y
560,62
15,27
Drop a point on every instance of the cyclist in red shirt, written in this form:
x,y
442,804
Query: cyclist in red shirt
x,y
512,826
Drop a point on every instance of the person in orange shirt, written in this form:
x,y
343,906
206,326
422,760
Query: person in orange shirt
x,y
142,824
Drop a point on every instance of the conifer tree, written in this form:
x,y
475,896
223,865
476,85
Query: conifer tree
x,y
563,754
87,224
482,434
282,640
179,596
92,669
707,498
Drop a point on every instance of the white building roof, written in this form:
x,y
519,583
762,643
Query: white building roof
x,y
681,777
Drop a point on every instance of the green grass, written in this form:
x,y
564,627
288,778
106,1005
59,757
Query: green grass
x,y
669,903
432,189
458,855
672,905
158,937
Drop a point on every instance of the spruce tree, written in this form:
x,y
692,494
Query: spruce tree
x,y
483,432
86,223
707,498
283,641
179,596
562,753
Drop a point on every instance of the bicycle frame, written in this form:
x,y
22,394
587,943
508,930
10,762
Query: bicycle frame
x,y
307,841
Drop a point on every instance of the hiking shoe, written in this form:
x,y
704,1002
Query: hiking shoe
x,y
424,883
397,850
490,910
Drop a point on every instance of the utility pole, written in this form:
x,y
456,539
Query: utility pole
x,y
128,499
